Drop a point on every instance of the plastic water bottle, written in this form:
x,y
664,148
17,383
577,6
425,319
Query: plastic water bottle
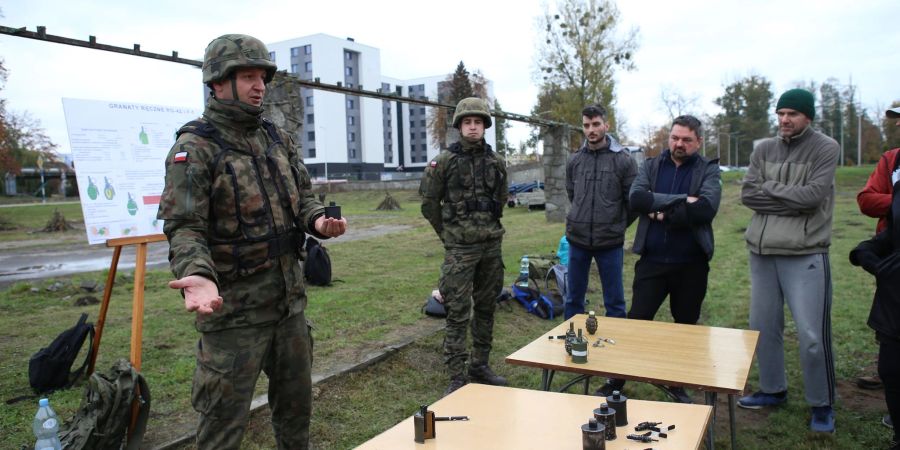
x,y
563,251
523,273
46,427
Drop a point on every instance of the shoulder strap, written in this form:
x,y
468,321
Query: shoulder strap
x,y
272,131
75,375
142,396
206,130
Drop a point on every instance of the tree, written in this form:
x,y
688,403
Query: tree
x,y
22,140
872,141
655,139
578,58
745,115
891,131
676,103
831,121
500,125
457,86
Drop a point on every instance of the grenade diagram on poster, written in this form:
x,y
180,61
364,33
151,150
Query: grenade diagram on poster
x,y
119,150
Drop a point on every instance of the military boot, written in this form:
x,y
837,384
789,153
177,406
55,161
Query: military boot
x,y
456,382
484,375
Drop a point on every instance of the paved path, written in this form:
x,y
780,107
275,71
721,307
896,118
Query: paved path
x,y
17,264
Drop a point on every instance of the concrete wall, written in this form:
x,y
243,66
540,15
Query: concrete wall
x,y
524,173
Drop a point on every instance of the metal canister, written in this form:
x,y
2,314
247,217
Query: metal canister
x,y
606,416
579,349
593,435
618,401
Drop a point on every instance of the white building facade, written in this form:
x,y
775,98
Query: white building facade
x,y
355,137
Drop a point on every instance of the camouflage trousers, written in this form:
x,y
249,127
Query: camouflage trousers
x,y
471,279
228,366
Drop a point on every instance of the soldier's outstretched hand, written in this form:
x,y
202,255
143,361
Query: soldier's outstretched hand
x,y
331,227
200,293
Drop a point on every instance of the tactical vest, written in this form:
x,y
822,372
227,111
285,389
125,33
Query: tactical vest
x,y
244,237
473,183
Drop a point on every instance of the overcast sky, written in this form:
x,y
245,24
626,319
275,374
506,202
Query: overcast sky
x,y
692,46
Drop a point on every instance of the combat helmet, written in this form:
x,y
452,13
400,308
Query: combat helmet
x,y
472,106
232,51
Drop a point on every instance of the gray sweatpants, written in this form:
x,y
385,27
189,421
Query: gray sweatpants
x,y
804,282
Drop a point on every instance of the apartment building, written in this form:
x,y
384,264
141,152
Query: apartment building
x,y
347,136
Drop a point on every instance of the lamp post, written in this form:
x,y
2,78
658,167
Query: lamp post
x,y
719,146
736,135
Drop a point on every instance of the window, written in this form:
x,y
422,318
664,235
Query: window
x,y
295,51
350,85
412,158
351,120
295,68
309,100
353,153
351,137
310,119
425,148
348,71
307,49
350,103
310,135
422,110
271,56
422,122
349,56
311,153
308,66
422,135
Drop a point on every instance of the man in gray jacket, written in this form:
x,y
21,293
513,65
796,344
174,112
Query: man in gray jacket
x,y
598,177
790,188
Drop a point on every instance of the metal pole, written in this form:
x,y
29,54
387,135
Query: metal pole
x,y
859,130
43,194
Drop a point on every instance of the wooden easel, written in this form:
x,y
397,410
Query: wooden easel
x,y
137,306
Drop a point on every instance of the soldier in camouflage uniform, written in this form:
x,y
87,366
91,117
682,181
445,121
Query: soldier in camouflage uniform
x,y
236,204
463,193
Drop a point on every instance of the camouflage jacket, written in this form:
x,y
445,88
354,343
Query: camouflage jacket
x,y
237,216
463,193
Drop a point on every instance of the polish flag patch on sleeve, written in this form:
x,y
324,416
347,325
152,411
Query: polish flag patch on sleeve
x,y
433,163
180,157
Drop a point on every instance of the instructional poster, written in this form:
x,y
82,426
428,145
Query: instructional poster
x,y
120,151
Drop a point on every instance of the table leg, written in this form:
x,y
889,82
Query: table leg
x,y
711,398
731,404
545,379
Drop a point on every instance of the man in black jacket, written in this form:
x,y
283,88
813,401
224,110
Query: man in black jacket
x,y
677,196
880,256
598,177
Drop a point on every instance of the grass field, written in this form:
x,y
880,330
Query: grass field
x,y
384,281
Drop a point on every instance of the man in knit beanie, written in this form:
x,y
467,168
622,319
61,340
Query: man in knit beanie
x,y
790,188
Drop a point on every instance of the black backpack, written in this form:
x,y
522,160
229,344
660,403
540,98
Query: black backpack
x,y
317,267
50,368
104,418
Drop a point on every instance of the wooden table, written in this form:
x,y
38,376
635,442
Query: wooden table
x,y
710,359
512,418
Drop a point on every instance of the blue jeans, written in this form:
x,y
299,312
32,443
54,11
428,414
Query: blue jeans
x,y
609,264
